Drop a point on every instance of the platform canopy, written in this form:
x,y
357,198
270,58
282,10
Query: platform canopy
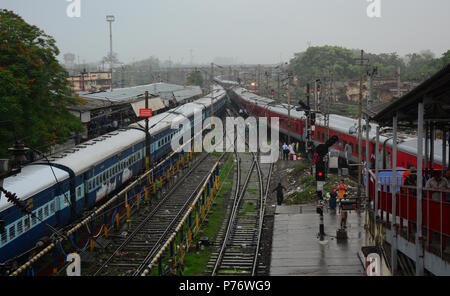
x,y
435,94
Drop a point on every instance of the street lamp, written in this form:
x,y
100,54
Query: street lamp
x,y
110,19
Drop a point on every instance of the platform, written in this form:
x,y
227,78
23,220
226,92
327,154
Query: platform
x,y
297,251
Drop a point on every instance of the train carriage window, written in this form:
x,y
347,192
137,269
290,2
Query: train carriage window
x,y
40,214
351,146
357,148
4,236
52,207
27,223
79,192
89,185
12,232
19,227
46,211
33,219
323,137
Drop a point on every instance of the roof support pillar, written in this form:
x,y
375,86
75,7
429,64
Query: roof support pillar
x,y
394,196
419,236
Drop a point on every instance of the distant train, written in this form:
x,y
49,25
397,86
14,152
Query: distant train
x,y
343,127
86,175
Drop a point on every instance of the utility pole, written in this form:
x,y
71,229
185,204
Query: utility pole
x,y
399,94
82,79
110,19
308,123
267,83
147,137
289,106
315,96
361,64
370,77
212,78
259,79
278,90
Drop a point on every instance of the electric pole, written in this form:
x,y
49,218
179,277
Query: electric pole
x,y
278,90
147,137
110,19
361,64
289,106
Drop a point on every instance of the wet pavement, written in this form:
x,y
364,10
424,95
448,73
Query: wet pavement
x,y
297,250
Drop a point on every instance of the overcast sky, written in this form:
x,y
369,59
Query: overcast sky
x,y
253,31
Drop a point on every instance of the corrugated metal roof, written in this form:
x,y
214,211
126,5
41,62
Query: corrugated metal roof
x,y
131,93
155,104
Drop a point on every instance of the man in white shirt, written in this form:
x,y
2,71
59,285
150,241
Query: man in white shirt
x,y
437,182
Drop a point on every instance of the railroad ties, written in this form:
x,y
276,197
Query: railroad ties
x,y
238,241
128,250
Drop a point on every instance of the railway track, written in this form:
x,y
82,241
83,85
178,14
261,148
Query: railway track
x,y
128,252
238,241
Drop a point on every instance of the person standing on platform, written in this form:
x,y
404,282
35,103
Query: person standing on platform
x,y
332,200
342,188
279,189
285,151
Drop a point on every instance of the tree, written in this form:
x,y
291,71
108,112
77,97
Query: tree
x,y
316,61
195,78
34,91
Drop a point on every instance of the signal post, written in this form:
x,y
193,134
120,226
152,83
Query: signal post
x,y
321,153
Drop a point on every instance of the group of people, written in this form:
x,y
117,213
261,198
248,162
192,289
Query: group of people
x,y
289,149
437,181
333,198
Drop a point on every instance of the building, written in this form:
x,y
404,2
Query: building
x,y
103,111
90,81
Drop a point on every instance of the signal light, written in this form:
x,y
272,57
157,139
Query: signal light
x,y
320,170
320,176
273,92
313,119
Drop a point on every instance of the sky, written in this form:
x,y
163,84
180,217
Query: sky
x,y
250,31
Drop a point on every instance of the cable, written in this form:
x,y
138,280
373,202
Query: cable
x,y
12,198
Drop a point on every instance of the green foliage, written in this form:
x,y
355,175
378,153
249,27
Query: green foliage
x,y
314,63
34,91
195,78
317,62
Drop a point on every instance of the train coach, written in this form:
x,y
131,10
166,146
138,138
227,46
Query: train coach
x,y
59,190
343,127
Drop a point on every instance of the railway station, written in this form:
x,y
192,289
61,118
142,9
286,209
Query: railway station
x,y
314,166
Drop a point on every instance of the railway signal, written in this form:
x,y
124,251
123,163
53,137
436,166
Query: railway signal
x,y
312,118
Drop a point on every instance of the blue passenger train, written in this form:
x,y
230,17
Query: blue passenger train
x,y
59,190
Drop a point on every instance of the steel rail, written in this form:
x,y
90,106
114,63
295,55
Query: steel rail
x,y
168,229
152,213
